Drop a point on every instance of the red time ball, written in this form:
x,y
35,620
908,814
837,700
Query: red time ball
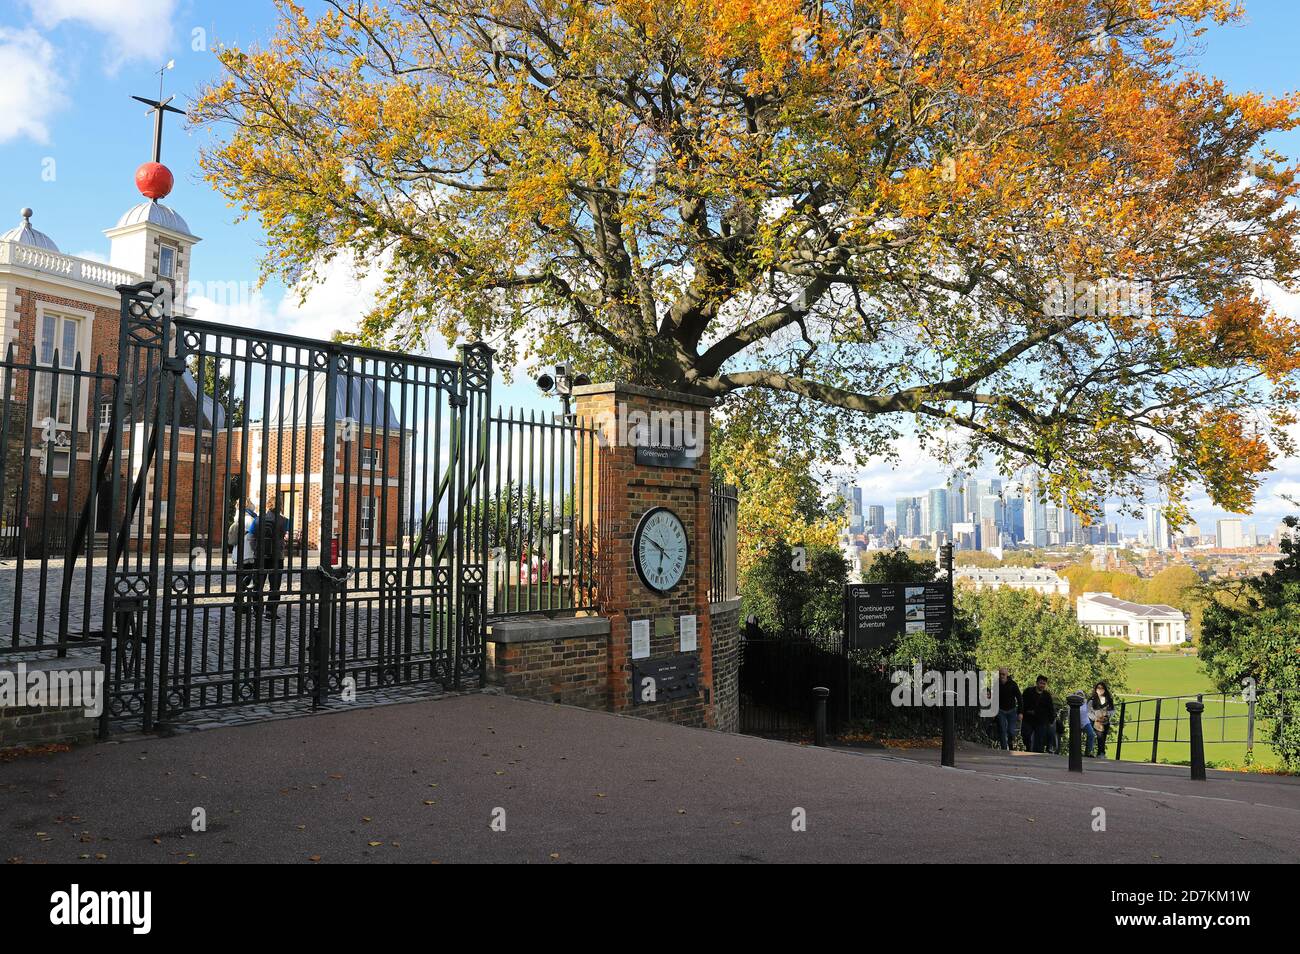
x,y
154,180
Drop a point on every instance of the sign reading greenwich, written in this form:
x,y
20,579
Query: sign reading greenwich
x,y
877,613
662,438
669,455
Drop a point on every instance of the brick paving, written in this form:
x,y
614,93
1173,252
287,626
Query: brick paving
x,y
228,644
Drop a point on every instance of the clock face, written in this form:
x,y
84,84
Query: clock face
x,y
660,549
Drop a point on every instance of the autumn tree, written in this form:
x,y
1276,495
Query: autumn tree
x,y
1032,633
218,386
1027,230
779,489
1250,632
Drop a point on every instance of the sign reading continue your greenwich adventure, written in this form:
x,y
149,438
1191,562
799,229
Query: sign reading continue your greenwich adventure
x,y
876,613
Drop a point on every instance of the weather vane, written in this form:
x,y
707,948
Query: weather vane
x,y
153,179
158,107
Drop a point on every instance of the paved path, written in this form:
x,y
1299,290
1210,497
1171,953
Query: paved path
x,y
420,783
1255,788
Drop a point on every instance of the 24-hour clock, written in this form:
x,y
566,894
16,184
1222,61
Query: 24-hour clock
x,y
660,549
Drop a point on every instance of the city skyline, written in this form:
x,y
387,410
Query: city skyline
x,y
998,499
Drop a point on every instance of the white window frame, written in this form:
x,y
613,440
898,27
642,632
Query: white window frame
x,y
170,272
81,321
366,516
105,413
371,458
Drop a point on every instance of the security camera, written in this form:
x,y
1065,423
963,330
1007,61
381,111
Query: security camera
x,y
545,382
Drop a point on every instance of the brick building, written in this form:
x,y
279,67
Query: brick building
x,y
371,451
60,314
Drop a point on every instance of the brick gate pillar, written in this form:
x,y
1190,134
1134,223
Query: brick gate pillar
x,y
672,470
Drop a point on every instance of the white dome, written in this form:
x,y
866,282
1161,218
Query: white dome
x,y
155,213
24,234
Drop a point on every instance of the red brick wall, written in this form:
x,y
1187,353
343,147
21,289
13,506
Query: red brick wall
x,y
291,453
625,491
570,671
726,665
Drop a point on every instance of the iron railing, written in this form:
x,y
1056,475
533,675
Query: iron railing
x,y
51,495
724,508
538,514
778,675
1146,729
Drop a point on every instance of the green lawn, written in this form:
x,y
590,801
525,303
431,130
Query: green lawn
x,y
1173,674
1165,675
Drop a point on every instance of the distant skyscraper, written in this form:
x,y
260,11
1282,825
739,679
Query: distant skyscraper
x,y
1016,517
852,497
1229,534
959,505
1157,528
991,509
1067,525
940,520
908,516
875,519
1035,514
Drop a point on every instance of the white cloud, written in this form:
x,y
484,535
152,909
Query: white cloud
x,y
335,303
32,90
135,29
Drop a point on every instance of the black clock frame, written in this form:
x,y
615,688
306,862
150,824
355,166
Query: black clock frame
x,y
636,548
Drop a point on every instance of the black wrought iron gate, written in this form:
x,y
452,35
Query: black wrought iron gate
x,y
295,519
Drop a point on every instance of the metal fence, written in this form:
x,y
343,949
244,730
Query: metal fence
x,y
50,439
295,517
724,508
538,513
778,675
1147,729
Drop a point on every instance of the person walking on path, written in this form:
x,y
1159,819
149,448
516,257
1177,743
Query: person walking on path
x,y
1101,706
1038,717
1085,723
272,532
1008,707
242,529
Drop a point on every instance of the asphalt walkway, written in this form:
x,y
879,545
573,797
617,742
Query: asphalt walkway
x,y
435,780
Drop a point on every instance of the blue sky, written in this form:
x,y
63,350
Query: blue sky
x,y
69,67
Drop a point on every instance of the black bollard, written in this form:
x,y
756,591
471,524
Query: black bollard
x,y
821,693
1076,737
949,755
1194,710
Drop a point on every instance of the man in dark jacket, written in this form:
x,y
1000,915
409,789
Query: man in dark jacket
x,y
1008,707
1038,717
271,532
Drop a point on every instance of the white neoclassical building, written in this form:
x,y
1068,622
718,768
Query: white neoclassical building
x,y
1015,578
1137,623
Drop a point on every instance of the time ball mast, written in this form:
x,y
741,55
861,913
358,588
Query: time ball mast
x,y
153,179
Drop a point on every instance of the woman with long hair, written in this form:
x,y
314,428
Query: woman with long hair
x,y
1101,706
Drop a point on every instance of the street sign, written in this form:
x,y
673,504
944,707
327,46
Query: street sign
x,y
876,614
